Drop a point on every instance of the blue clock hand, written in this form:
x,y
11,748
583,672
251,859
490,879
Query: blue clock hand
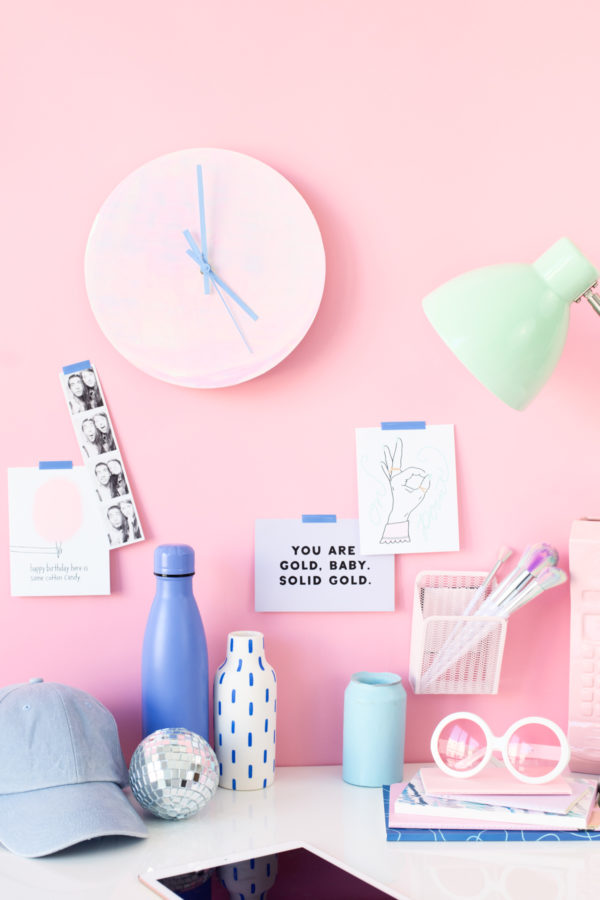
x,y
233,318
247,309
201,261
203,240
195,254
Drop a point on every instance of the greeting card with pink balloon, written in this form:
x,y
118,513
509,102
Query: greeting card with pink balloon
x,y
58,544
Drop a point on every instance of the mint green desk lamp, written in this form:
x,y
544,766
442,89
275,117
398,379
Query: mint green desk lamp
x,y
508,323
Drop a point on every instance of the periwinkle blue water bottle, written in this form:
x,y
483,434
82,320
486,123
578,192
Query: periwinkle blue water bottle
x,y
174,655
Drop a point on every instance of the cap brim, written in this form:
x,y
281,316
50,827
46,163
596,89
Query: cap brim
x,y
36,823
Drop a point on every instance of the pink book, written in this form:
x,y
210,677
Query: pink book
x,y
491,781
409,813
410,820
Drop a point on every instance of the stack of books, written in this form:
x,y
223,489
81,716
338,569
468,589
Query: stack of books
x,y
491,806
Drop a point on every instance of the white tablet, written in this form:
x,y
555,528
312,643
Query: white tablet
x,y
289,871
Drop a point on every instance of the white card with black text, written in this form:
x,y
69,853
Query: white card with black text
x,y
316,567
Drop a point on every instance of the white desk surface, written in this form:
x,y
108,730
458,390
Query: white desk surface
x,y
311,805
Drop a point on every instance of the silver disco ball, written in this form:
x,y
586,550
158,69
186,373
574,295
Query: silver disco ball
x,y
173,773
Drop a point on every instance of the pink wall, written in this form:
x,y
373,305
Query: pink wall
x,y
428,138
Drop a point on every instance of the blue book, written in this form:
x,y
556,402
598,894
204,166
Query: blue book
x,y
447,835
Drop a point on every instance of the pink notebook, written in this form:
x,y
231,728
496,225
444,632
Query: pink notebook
x,y
491,781
408,820
417,817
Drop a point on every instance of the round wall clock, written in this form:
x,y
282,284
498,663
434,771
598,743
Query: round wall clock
x,y
205,267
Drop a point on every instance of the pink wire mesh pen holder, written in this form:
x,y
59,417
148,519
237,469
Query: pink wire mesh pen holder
x,y
439,625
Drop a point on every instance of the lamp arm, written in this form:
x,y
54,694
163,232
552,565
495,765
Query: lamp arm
x,y
592,297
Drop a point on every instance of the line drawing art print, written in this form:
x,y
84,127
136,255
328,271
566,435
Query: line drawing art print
x,y
407,493
408,488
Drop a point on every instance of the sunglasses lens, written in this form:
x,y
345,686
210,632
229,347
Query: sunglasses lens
x,y
462,745
534,750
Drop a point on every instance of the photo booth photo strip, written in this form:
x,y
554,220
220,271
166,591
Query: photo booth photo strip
x,y
97,440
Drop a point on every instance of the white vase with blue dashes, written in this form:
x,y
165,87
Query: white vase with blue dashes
x,y
245,708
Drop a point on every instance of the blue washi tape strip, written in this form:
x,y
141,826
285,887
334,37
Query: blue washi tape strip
x,y
77,367
403,426
309,519
56,464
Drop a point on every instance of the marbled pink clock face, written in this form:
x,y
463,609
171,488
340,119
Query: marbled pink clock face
x,y
148,294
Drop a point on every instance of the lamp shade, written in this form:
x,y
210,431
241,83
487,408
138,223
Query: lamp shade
x,y
508,323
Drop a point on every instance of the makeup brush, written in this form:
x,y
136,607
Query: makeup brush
x,y
503,554
533,559
549,577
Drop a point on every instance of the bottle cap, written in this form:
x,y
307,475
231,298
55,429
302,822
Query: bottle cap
x,y
174,559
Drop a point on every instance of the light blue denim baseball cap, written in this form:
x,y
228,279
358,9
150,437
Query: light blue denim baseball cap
x,y
61,770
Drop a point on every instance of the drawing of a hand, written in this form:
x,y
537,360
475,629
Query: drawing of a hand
x,y
408,488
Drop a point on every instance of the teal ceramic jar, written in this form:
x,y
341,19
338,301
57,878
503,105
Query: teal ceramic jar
x,y
374,726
